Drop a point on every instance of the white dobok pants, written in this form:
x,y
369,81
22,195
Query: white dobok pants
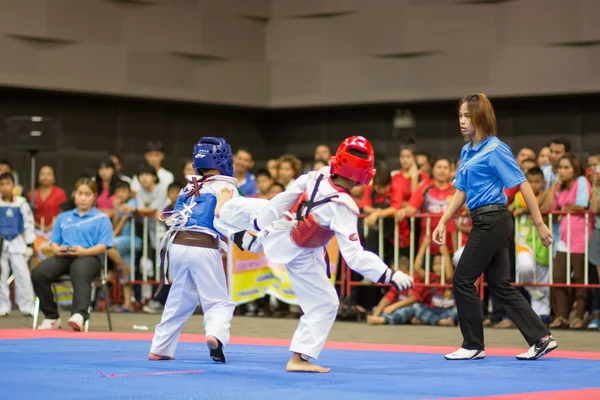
x,y
317,298
197,274
24,296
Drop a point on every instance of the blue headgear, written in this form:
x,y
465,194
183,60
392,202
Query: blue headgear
x,y
213,153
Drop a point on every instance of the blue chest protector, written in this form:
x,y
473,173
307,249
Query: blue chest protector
x,y
11,222
202,209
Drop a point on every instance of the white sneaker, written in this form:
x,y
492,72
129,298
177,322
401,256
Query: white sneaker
x,y
76,322
50,324
465,354
541,348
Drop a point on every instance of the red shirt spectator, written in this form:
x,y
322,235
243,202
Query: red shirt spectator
x,y
401,192
431,199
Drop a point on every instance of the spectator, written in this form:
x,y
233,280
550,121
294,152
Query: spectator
x,y
273,167
543,157
188,169
118,163
263,184
558,148
290,167
47,199
525,154
570,192
594,247
172,195
106,178
463,228
319,163
437,306
404,182
79,238
275,189
323,152
431,197
122,232
453,168
533,258
396,307
154,157
527,164
376,204
6,168
242,163
423,161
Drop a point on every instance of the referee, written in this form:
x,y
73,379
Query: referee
x,y
486,167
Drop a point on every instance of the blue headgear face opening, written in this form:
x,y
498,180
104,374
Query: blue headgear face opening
x,y
213,153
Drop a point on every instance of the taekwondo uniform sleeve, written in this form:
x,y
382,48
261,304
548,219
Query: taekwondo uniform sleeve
x,y
344,224
226,226
283,202
28,225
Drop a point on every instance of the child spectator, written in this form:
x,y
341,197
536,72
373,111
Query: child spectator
x,y
172,194
263,184
438,306
122,233
275,189
395,307
532,256
376,204
47,199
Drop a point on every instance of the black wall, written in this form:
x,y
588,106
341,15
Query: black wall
x,y
93,125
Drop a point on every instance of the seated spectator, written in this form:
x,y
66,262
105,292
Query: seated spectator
x,y
106,178
6,168
263,184
594,247
275,189
290,167
438,306
47,199
79,238
395,307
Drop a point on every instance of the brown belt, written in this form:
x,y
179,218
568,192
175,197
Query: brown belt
x,y
196,239
186,238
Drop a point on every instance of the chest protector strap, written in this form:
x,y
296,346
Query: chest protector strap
x,y
308,233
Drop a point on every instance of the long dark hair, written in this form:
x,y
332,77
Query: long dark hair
x,y
112,185
577,169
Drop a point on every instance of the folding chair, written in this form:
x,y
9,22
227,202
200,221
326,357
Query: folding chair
x,y
99,283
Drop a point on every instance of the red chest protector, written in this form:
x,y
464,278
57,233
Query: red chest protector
x,y
308,233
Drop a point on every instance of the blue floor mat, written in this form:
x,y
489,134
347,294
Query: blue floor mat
x,y
70,369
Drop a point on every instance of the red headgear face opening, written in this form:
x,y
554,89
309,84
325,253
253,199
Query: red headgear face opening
x,y
354,167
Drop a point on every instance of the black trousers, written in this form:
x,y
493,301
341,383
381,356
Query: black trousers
x,y
82,270
486,252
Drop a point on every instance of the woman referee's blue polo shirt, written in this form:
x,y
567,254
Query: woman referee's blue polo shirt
x,y
89,230
485,170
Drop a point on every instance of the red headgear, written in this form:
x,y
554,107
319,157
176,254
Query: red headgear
x,y
353,167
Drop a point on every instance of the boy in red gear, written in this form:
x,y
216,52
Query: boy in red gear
x,y
294,229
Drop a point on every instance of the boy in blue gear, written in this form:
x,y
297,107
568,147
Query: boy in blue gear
x,y
16,247
191,249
